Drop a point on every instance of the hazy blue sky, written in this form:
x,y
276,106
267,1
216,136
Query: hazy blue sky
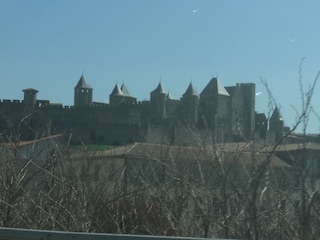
x,y
47,45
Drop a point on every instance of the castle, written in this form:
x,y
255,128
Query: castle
x,y
217,114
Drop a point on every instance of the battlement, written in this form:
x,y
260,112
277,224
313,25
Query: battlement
x,y
247,84
159,107
42,103
98,104
7,101
55,105
134,104
143,102
139,103
173,100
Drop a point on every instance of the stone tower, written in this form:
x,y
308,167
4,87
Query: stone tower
x,y
261,125
82,93
276,124
121,96
213,103
116,96
158,102
249,96
235,110
190,103
30,98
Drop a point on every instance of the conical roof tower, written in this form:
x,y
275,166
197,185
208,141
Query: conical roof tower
x,y
116,91
124,89
82,84
191,91
121,95
82,93
158,99
189,105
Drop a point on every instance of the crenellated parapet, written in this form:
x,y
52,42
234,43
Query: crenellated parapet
x,y
8,101
227,112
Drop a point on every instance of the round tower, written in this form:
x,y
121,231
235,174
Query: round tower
x,y
121,96
276,124
190,103
158,102
82,93
30,98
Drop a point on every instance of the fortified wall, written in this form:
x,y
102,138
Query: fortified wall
x,y
217,114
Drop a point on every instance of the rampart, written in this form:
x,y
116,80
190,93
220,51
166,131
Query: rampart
x,y
127,120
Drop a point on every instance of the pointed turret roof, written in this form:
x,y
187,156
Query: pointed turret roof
x,y
116,91
82,83
159,89
124,89
190,91
215,87
276,115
